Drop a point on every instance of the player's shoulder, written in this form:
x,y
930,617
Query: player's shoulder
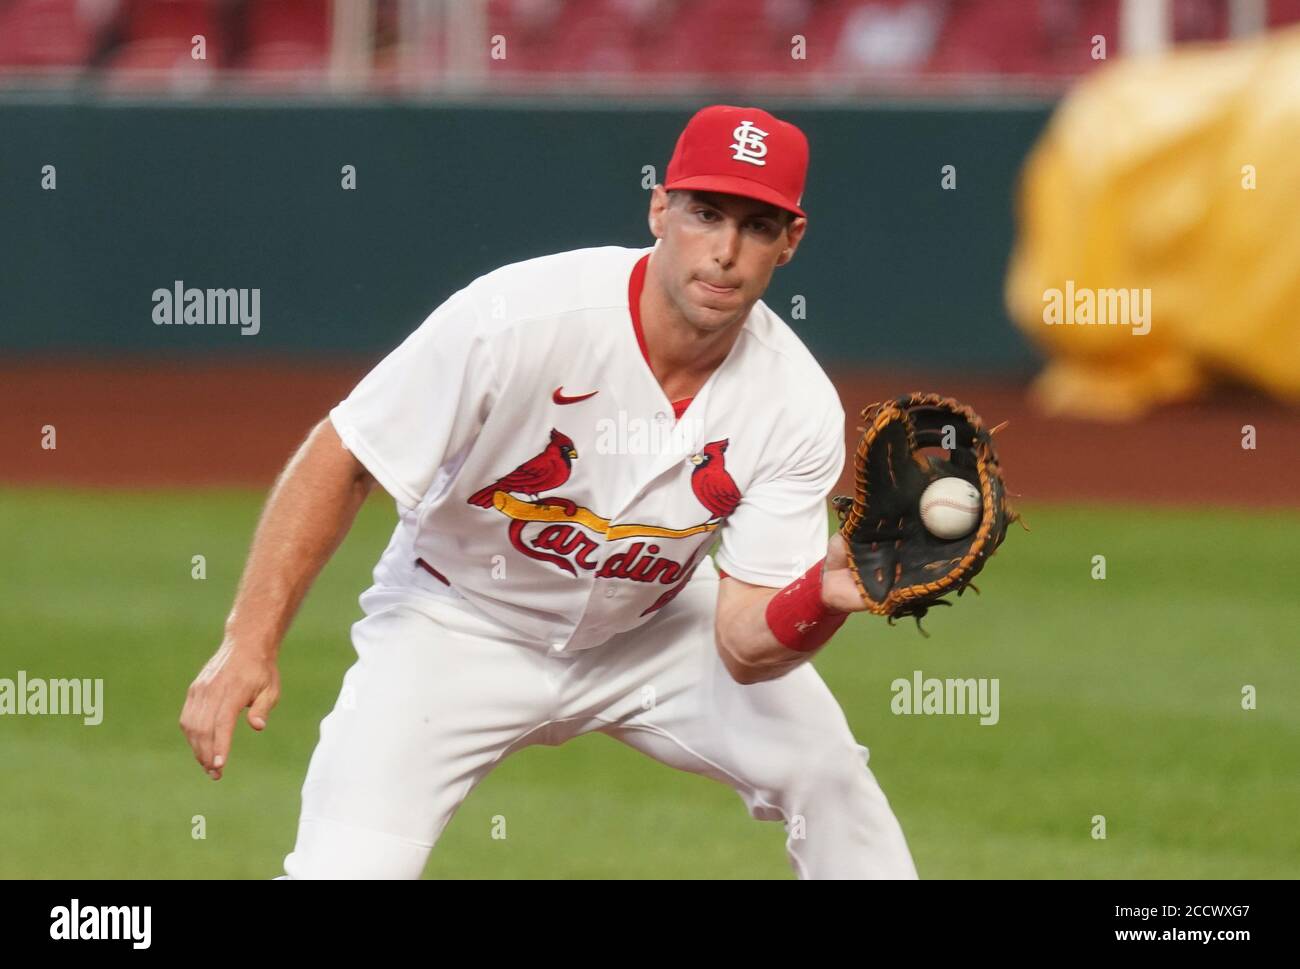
x,y
556,284
772,342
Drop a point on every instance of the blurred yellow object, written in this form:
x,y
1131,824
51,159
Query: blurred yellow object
x,y
1176,178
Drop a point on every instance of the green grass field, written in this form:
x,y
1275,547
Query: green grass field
x,y
1119,697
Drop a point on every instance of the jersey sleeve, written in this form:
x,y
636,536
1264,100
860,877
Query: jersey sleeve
x,y
423,403
780,528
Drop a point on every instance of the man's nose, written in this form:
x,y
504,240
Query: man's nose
x,y
727,246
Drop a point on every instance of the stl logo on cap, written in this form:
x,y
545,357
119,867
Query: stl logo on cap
x,y
741,151
749,144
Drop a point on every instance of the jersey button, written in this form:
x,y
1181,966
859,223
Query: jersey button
x,y
661,417
609,593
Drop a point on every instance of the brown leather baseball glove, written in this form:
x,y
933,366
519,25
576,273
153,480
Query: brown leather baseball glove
x,y
901,568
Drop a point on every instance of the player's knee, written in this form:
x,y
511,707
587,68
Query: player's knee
x,y
839,776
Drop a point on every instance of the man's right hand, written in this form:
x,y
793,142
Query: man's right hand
x,y
310,509
233,680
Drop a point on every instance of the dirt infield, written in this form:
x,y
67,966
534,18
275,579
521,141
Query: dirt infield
x,y
144,424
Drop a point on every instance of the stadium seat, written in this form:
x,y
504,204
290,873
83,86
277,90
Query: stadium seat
x,y
158,44
734,37
46,34
529,28
887,36
1282,13
996,36
286,35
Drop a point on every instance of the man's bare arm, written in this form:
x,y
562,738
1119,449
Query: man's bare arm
x,y
746,645
309,511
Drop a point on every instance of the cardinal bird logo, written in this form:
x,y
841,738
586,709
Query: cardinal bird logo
x,y
548,470
711,481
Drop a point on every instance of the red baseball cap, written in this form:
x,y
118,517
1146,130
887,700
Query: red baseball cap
x,y
741,151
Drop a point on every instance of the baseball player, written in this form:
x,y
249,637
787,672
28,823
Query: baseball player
x,y
611,469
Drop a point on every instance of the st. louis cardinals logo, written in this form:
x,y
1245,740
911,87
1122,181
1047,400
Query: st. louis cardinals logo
x,y
749,145
712,483
548,470
565,538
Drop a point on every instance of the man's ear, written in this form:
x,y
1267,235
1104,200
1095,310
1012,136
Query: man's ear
x,y
794,235
658,211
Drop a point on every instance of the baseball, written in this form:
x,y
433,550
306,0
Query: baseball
x,y
950,507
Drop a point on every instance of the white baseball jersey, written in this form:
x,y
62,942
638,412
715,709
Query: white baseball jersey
x,y
540,473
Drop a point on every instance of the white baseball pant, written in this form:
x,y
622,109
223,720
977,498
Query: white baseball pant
x,y
438,697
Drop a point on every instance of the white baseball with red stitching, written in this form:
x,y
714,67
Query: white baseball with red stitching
x,y
950,508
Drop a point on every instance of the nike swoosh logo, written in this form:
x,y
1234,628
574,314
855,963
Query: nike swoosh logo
x,y
559,397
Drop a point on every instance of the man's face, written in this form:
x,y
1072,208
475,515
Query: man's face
x,y
717,252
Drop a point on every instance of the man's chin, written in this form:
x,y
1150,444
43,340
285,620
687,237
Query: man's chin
x,y
712,319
